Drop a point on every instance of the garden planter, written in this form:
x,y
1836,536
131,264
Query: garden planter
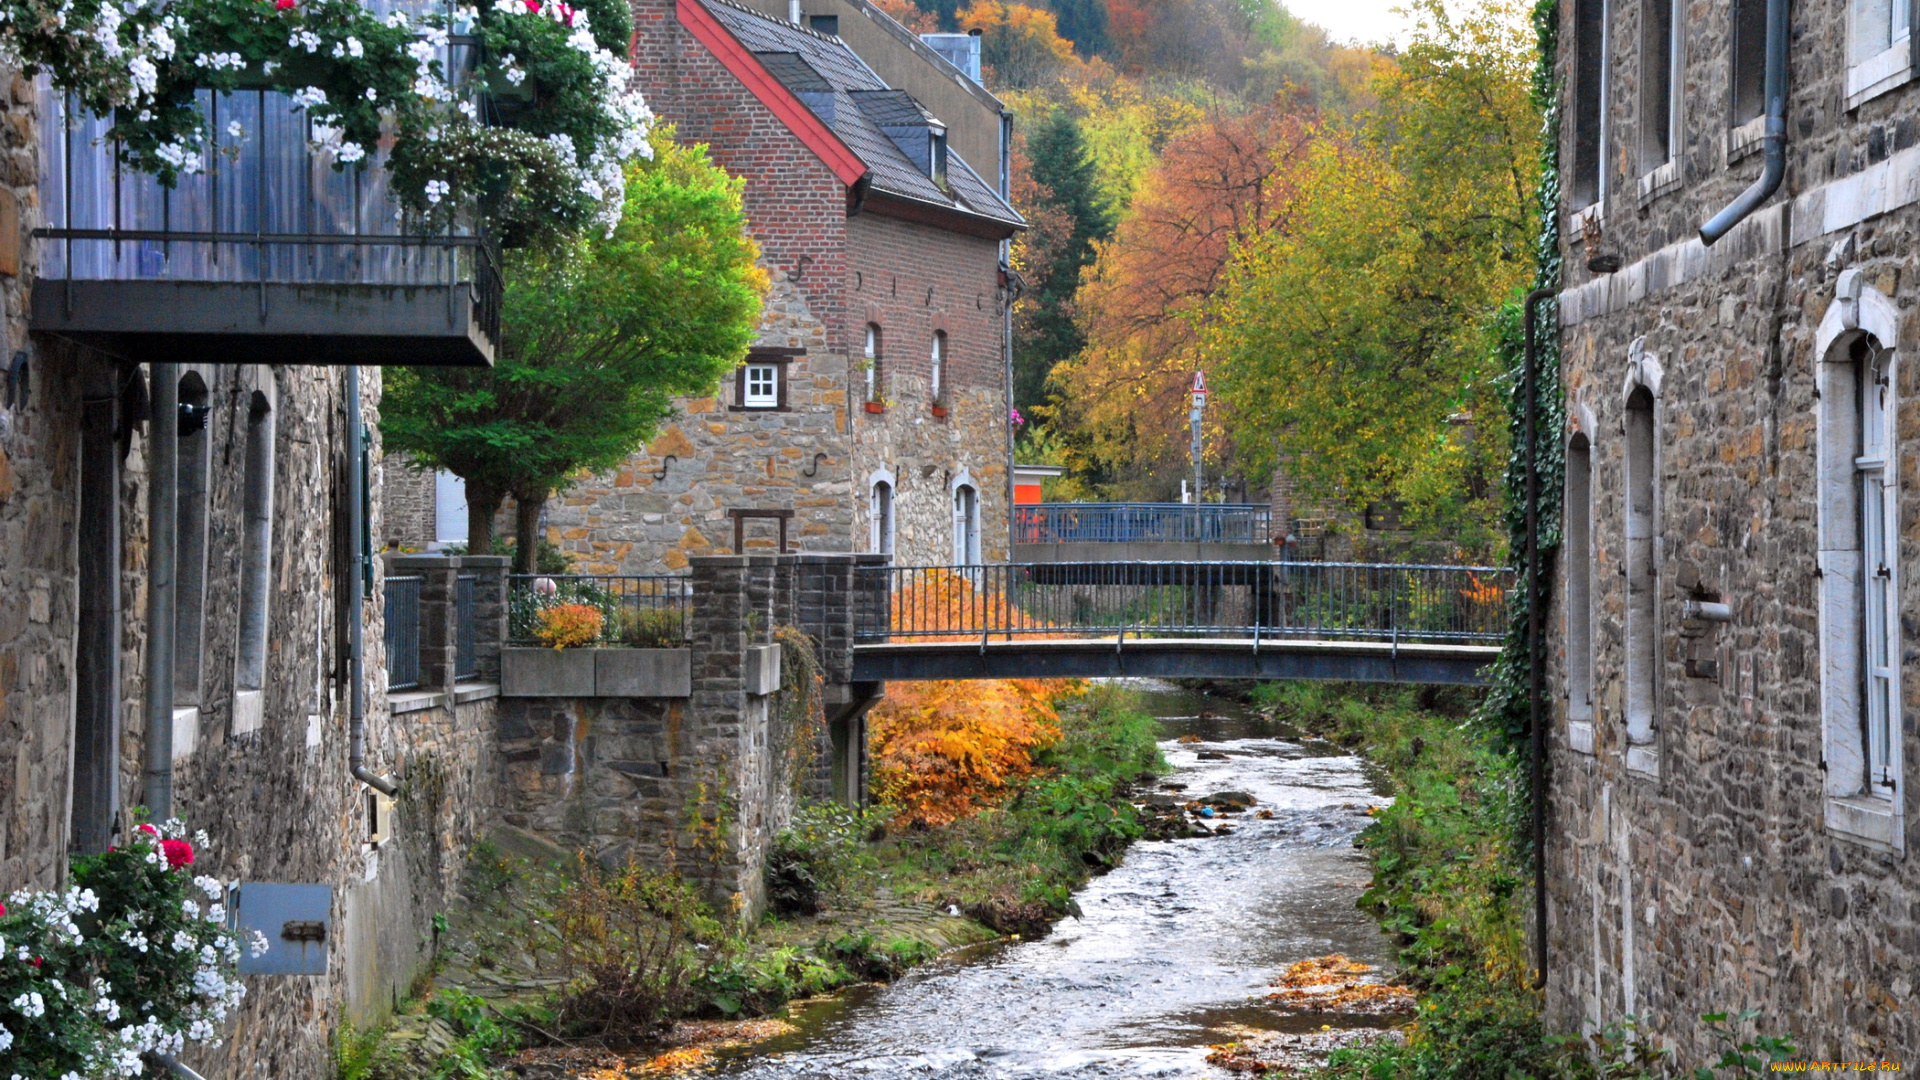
x,y
643,673
547,672
940,412
875,407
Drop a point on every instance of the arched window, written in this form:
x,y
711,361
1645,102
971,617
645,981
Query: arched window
x,y
1643,625
256,559
1859,567
190,539
880,517
1577,545
966,525
936,384
871,357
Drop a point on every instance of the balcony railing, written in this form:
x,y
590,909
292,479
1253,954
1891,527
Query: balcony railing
x,y
267,255
646,611
1128,523
466,662
403,632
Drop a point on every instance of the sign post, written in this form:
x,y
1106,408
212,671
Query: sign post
x,y
1197,403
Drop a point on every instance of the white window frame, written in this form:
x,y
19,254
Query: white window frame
x,y
964,495
883,498
1874,73
1861,722
936,382
872,356
1642,529
1663,176
1578,548
767,394
256,560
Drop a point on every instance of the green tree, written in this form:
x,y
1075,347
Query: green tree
x,y
1063,195
1356,340
596,341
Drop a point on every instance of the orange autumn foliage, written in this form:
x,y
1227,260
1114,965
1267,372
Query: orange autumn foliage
x,y
946,749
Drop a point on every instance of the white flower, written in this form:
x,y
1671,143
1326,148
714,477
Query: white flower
x,y
235,132
372,94
30,1004
146,77
308,96
6,1040
437,190
350,152
259,944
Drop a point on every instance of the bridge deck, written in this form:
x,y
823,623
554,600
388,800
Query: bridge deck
x,y
1203,658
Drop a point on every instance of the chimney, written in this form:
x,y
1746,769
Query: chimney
x,y
960,50
793,12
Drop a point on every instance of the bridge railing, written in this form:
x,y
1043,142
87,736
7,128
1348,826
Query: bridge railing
x,y
1274,600
1127,523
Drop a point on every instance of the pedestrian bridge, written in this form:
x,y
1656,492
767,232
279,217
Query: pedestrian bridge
x,y
1082,533
1360,622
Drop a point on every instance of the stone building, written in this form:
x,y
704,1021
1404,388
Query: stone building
x,y
871,413
188,613
1734,711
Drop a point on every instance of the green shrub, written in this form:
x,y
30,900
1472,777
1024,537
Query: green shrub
x,y
820,855
627,939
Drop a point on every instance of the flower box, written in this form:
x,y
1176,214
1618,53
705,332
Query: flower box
x,y
596,673
876,407
940,412
547,672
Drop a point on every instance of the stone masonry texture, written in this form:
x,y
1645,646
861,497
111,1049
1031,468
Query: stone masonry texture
x,y
1713,883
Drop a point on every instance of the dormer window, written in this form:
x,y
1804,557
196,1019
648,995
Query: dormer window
x,y
937,167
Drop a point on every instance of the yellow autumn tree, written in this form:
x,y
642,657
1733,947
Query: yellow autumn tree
x,y
945,749
1354,341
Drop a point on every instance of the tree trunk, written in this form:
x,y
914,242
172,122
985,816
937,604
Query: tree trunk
x,y
482,505
526,529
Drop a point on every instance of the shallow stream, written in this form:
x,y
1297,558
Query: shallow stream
x,y
1173,950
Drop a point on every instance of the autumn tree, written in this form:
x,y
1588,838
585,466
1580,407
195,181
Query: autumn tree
x,y
1215,188
910,15
1059,191
596,341
1020,46
1355,339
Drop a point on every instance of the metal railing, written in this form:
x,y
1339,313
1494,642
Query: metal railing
x,y
466,651
1122,523
403,632
1408,603
638,610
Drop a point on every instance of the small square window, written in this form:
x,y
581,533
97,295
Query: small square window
x,y
762,387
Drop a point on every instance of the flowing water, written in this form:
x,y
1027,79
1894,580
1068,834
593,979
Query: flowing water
x,y
1172,947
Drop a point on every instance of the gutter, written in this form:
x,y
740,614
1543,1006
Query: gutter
x,y
357,593
1773,142
163,489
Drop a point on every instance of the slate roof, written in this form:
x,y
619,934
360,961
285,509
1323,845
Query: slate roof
x,y
811,64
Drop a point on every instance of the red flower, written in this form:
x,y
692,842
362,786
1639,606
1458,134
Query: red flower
x,y
150,830
566,12
36,961
282,5
179,853
533,7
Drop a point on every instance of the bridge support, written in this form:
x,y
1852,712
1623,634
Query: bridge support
x,y
1166,658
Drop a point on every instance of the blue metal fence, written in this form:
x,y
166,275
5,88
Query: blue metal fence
x,y
403,632
642,610
1124,523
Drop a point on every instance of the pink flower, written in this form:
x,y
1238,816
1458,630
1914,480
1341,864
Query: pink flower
x,y
566,12
150,830
282,5
179,853
1016,419
533,7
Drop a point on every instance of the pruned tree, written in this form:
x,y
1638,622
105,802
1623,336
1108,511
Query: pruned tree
x,y
597,339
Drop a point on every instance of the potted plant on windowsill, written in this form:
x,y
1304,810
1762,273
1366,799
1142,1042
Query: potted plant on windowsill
x,y
876,406
939,411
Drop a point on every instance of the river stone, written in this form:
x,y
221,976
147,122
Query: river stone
x,y
1239,800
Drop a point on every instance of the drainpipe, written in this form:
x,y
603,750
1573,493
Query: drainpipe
x,y
163,483
357,595
1012,293
1774,142
1536,623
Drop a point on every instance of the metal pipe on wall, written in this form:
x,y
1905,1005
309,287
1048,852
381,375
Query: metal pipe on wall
x,y
1773,141
163,481
357,594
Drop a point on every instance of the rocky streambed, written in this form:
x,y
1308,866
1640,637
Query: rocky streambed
x,y
1225,942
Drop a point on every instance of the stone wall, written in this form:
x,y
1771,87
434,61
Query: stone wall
x,y
1712,877
409,499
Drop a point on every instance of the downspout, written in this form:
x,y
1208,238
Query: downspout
x,y
357,594
1536,624
1011,290
1773,142
163,483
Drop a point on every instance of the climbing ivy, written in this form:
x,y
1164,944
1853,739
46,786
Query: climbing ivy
x,y
1506,706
